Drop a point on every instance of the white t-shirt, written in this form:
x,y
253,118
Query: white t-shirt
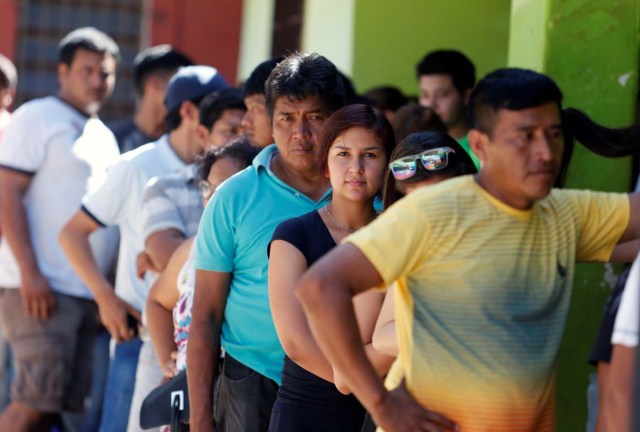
x,y
625,330
68,154
119,202
5,118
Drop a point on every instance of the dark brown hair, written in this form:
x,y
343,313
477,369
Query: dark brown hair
x,y
412,118
460,163
238,148
604,141
353,116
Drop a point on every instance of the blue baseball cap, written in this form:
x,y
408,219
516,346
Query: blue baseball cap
x,y
192,82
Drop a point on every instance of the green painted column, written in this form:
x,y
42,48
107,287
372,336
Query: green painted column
x,y
390,37
590,47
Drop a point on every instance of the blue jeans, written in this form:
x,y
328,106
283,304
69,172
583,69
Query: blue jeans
x,y
245,398
6,371
89,420
120,385
93,413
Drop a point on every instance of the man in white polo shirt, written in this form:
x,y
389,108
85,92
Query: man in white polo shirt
x,y
119,202
53,152
173,203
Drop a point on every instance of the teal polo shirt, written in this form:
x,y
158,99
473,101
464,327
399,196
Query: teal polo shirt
x,y
233,236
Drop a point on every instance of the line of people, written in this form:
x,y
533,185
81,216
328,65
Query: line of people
x,y
271,298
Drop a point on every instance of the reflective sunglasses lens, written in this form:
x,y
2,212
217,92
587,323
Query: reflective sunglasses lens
x,y
434,160
403,169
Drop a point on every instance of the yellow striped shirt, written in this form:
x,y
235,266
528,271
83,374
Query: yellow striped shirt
x,y
482,313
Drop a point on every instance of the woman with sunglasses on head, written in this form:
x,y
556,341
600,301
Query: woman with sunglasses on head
x,y
421,159
355,147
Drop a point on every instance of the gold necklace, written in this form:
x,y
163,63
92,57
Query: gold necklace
x,y
338,224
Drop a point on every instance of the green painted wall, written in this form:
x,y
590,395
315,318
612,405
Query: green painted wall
x,y
390,37
590,47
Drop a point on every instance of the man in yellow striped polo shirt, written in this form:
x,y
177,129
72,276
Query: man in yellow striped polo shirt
x,y
488,265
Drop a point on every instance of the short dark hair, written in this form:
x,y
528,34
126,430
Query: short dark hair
x,y
256,81
449,62
460,163
356,116
238,149
155,60
351,96
511,89
173,119
88,38
413,118
214,104
305,74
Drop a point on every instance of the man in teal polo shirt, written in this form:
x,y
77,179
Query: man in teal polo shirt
x,y
231,303
446,79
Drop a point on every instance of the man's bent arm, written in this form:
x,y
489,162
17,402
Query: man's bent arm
x,y
632,231
625,252
160,245
38,299
74,239
326,292
203,349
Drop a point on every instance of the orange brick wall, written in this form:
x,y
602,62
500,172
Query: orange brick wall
x,y
8,27
206,30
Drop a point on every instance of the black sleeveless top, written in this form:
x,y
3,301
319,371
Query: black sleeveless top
x,y
305,401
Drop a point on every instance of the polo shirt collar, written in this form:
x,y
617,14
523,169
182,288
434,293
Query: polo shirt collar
x,y
263,162
169,154
74,109
189,173
263,158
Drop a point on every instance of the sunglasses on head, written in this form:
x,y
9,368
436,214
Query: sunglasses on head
x,y
432,160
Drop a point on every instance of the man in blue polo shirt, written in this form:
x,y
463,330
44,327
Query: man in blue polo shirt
x,y
231,304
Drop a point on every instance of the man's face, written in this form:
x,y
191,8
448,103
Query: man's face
x,y
296,129
256,122
226,127
88,81
522,157
438,93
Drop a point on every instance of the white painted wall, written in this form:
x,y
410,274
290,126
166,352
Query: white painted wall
x,y
328,30
256,35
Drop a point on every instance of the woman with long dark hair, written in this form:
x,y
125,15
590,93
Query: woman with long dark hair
x,y
355,146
